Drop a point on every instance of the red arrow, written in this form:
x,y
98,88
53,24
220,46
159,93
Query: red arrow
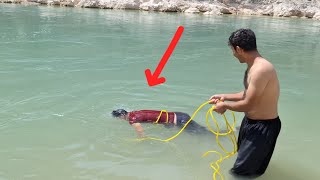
x,y
153,79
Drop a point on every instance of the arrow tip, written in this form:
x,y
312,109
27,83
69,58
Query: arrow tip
x,y
152,79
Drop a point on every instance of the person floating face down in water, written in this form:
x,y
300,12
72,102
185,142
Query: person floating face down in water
x,y
178,119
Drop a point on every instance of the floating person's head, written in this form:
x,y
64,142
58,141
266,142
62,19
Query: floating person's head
x,y
120,113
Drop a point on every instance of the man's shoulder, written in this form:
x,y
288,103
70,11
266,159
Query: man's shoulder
x,y
262,70
264,66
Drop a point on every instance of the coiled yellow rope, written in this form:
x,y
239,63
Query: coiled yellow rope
x,y
160,116
230,134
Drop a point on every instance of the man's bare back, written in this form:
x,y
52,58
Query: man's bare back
x,y
266,105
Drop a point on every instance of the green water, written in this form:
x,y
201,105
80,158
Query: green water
x,y
63,70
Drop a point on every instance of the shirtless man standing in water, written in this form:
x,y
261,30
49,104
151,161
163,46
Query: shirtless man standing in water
x,y
261,124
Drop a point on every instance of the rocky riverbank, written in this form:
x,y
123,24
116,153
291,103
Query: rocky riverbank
x,y
279,8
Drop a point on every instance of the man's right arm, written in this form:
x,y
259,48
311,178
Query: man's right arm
x,y
233,97
227,97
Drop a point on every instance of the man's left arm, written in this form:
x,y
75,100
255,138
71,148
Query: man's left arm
x,y
258,81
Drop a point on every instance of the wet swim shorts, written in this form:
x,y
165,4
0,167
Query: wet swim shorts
x,y
256,143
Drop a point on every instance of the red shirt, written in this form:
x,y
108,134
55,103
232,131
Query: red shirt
x,y
147,116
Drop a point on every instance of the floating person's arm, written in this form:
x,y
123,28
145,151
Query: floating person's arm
x,y
139,129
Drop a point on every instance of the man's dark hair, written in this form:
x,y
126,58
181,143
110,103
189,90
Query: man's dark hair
x,y
119,112
244,38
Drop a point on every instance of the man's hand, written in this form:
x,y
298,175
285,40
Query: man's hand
x,y
220,107
216,98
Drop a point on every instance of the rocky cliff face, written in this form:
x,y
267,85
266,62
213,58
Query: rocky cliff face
x,y
281,8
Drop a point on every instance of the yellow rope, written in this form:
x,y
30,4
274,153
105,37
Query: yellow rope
x,y
160,116
230,134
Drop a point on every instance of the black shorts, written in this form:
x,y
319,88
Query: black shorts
x,y
256,142
193,127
